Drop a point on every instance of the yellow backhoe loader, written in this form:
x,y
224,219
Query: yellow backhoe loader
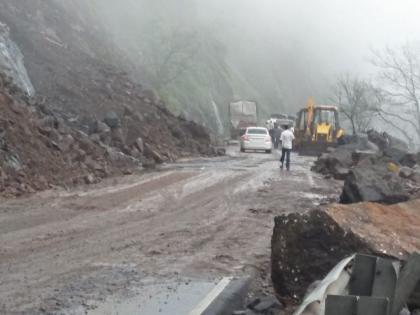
x,y
317,128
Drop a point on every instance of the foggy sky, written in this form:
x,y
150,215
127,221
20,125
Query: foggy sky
x,y
287,49
334,33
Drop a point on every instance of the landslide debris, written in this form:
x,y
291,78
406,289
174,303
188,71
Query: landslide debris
x,y
306,247
338,162
376,168
38,150
376,179
78,74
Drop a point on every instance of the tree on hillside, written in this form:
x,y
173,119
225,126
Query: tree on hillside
x,y
400,90
357,100
168,52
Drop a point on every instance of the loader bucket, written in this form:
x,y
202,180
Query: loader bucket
x,y
311,148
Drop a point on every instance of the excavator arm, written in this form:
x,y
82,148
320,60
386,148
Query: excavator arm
x,y
310,106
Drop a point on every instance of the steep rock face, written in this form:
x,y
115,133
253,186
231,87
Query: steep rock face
x,y
11,61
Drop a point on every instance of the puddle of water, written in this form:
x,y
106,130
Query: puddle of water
x,y
178,298
312,196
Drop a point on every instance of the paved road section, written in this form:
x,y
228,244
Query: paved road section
x,y
201,220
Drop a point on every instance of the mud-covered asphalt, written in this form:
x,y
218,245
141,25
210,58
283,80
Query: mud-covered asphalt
x,y
198,219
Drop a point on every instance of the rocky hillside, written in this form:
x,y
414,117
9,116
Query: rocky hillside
x,y
69,114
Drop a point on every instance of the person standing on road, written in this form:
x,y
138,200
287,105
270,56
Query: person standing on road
x,y
270,127
277,134
286,139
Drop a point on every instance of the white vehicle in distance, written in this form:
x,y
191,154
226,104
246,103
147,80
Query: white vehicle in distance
x,y
256,138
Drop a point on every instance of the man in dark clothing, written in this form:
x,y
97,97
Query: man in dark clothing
x,y
276,135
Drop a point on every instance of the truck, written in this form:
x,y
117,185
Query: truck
x,y
281,120
242,114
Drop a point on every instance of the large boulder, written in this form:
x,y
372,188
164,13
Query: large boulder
x,y
112,120
305,247
338,162
392,147
384,140
410,160
374,179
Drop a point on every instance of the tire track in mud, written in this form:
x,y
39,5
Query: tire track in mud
x,y
190,219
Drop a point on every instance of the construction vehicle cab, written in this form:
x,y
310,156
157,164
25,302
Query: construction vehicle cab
x,y
317,128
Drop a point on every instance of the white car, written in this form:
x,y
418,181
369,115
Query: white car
x,y
256,138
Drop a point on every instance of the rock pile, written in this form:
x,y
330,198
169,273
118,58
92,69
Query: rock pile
x,y
338,162
151,137
375,168
38,150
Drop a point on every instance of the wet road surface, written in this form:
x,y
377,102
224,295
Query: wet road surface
x,y
195,221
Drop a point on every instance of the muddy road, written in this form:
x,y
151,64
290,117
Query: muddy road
x,y
200,219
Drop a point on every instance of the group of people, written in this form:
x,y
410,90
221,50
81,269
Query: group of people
x,y
284,137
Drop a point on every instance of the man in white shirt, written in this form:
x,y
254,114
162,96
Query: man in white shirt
x,y
286,139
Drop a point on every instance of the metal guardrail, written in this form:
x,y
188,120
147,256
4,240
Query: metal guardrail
x,y
378,286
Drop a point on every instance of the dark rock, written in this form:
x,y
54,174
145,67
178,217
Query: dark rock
x,y
101,127
140,144
221,151
49,122
384,141
128,111
112,120
360,155
381,140
338,162
372,181
266,304
415,177
410,160
117,137
96,138
148,163
154,154
89,179
254,303
395,154
66,143
406,172
299,239
391,147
